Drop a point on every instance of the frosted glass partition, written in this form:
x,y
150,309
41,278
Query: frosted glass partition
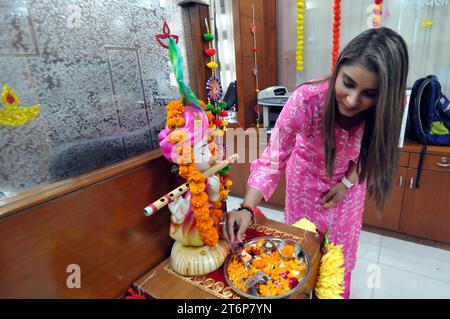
x,y
100,77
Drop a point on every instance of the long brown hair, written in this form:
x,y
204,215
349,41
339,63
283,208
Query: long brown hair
x,y
384,52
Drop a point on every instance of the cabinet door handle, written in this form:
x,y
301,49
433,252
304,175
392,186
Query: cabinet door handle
x,y
401,181
411,183
443,164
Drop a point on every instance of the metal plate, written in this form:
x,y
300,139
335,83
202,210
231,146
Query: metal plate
x,y
277,241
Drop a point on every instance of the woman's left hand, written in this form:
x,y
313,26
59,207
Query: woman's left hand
x,y
334,196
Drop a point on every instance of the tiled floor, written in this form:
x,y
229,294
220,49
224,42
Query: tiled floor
x,y
391,268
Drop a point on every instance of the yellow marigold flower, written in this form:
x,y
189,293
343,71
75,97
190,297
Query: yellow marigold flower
x,y
330,282
306,225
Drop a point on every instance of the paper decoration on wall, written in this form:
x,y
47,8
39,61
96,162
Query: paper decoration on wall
x,y
163,39
377,13
336,32
12,114
427,22
300,38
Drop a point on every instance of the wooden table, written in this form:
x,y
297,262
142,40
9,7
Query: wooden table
x,y
163,283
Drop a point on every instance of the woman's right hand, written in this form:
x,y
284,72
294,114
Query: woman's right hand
x,y
236,223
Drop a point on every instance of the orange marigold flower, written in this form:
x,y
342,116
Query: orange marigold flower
x,y
196,177
199,200
183,170
197,188
179,121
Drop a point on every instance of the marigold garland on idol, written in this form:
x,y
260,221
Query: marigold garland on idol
x,y
195,207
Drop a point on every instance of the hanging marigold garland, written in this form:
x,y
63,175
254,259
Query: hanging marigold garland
x,y
336,32
300,24
377,13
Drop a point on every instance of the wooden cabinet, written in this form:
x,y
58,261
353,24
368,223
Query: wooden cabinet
x,y
426,210
390,217
422,212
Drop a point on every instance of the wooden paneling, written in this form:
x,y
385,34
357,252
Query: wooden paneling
x,y
426,211
403,159
246,8
265,19
100,226
195,14
247,46
414,147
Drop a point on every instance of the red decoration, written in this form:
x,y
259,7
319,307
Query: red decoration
x,y
223,113
210,52
378,1
165,36
253,28
227,175
217,122
134,295
336,32
10,98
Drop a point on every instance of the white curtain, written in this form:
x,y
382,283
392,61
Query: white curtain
x,y
429,46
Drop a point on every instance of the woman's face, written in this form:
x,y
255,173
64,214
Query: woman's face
x,y
356,89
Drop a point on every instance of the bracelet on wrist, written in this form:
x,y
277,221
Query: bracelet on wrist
x,y
249,210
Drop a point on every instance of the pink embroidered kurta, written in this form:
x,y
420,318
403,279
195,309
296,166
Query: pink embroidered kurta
x,y
297,148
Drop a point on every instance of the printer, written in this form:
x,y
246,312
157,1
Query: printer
x,y
272,100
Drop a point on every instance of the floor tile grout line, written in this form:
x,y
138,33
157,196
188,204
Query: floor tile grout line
x,y
415,273
378,264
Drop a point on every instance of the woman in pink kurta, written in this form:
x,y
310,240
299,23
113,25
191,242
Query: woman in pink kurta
x,y
298,136
335,139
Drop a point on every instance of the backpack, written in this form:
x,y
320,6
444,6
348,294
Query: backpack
x,y
429,116
429,111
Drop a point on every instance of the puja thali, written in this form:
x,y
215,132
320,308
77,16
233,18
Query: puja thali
x,y
268,268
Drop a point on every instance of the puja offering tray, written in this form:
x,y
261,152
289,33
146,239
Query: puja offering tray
x,y
268,268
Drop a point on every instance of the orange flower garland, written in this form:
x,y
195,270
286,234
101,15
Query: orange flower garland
x,y
207,219
174,111
336,33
